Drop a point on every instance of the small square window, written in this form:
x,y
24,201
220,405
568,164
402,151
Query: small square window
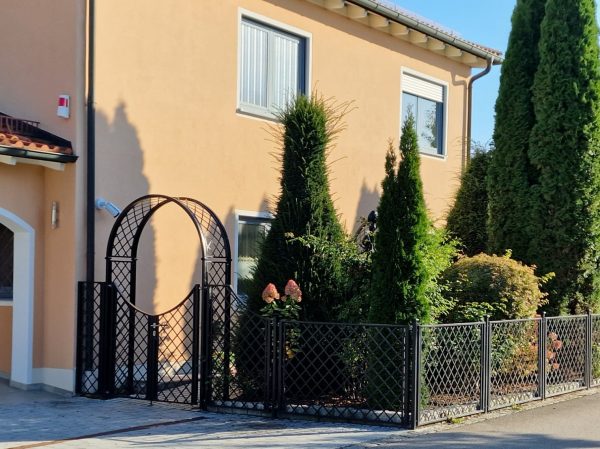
x,y
425,100
272,68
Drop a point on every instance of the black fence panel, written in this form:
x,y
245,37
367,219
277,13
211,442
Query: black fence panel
x,y
88,337
352,372
450,371
514,362
595,350
566,354
241,347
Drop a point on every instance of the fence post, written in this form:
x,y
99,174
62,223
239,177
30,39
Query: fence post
x,y
416,373
195,342
80,358
588,350
542,334
106,350
486,354
275,364
205,347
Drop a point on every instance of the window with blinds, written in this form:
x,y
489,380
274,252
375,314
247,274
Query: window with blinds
x,y
425,101
272,68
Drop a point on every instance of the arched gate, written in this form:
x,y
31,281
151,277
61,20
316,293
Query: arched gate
x,y
124,351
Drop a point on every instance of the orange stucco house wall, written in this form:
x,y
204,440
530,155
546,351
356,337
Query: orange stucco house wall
x,y
167,120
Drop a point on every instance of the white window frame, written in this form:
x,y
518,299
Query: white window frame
x,y
255,111
240,215
444,86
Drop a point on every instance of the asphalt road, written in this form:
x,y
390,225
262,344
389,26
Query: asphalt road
x,y
569,424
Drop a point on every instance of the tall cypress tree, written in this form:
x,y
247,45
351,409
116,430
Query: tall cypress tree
x,y
564,148
304,208
510,172
399,272
467,220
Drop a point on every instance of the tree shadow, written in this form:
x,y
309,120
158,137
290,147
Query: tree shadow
x,y
367,202
121,180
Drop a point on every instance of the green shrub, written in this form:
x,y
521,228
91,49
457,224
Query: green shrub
x,y
491,285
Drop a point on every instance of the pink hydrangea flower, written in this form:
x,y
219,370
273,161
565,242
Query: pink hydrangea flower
x,y
293,291
270,294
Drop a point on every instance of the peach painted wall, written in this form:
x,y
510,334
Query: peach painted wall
x,y
166,97
5,340
45,44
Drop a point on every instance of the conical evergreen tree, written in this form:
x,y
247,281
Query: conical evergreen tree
x,y
399,273
564,149
304,208
510,173
467,220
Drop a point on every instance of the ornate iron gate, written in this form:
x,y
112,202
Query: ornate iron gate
x,y
123,351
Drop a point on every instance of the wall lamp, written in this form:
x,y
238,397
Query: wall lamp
x,y
111,208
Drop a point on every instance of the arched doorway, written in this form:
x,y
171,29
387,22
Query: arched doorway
x,y
22,238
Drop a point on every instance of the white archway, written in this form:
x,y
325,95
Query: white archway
x,y
23,291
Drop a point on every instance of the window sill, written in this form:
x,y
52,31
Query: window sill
x,y
6,302
258,115
435,156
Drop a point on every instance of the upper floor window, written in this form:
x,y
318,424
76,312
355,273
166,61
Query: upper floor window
x,y
425,100
272,68
6,262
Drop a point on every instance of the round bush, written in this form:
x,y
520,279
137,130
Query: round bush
x,y
491,285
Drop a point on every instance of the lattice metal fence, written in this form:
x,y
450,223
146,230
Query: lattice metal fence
x,y
233,359
344,371
566,353
451,359
514,375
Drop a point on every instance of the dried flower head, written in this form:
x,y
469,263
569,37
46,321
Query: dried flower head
x,y
557,344
270,294
293,291
552,336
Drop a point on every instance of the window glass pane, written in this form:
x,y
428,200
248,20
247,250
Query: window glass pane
x,y
253,71
6,262
427,128
429,121
251,234
285,69
409,104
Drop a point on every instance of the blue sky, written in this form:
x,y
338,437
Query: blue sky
x,y
486,22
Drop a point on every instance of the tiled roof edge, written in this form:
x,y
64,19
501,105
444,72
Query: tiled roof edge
x,y
397,15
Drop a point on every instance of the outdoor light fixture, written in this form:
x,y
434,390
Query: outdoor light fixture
x,y
54,215
111,208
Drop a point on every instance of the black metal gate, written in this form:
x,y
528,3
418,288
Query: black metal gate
x,y
123,351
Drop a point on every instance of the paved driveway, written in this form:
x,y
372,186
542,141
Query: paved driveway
x,y
37,419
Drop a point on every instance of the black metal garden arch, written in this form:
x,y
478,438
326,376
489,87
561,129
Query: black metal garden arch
x,y
124,351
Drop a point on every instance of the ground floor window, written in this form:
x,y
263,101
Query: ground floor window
x,y
6,262
250,235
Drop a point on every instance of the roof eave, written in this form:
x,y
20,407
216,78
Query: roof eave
x,y
455,43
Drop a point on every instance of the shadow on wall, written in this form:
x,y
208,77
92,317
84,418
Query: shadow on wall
x,y
120,179
230,224
368,201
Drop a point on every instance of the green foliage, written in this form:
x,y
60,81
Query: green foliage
x,y
510,172
564,149
399,273
467,220
491,285
355,279
304,208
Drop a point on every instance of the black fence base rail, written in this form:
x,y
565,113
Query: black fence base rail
x,y
213,353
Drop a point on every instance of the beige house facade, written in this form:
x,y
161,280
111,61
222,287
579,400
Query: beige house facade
x,y
179,98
